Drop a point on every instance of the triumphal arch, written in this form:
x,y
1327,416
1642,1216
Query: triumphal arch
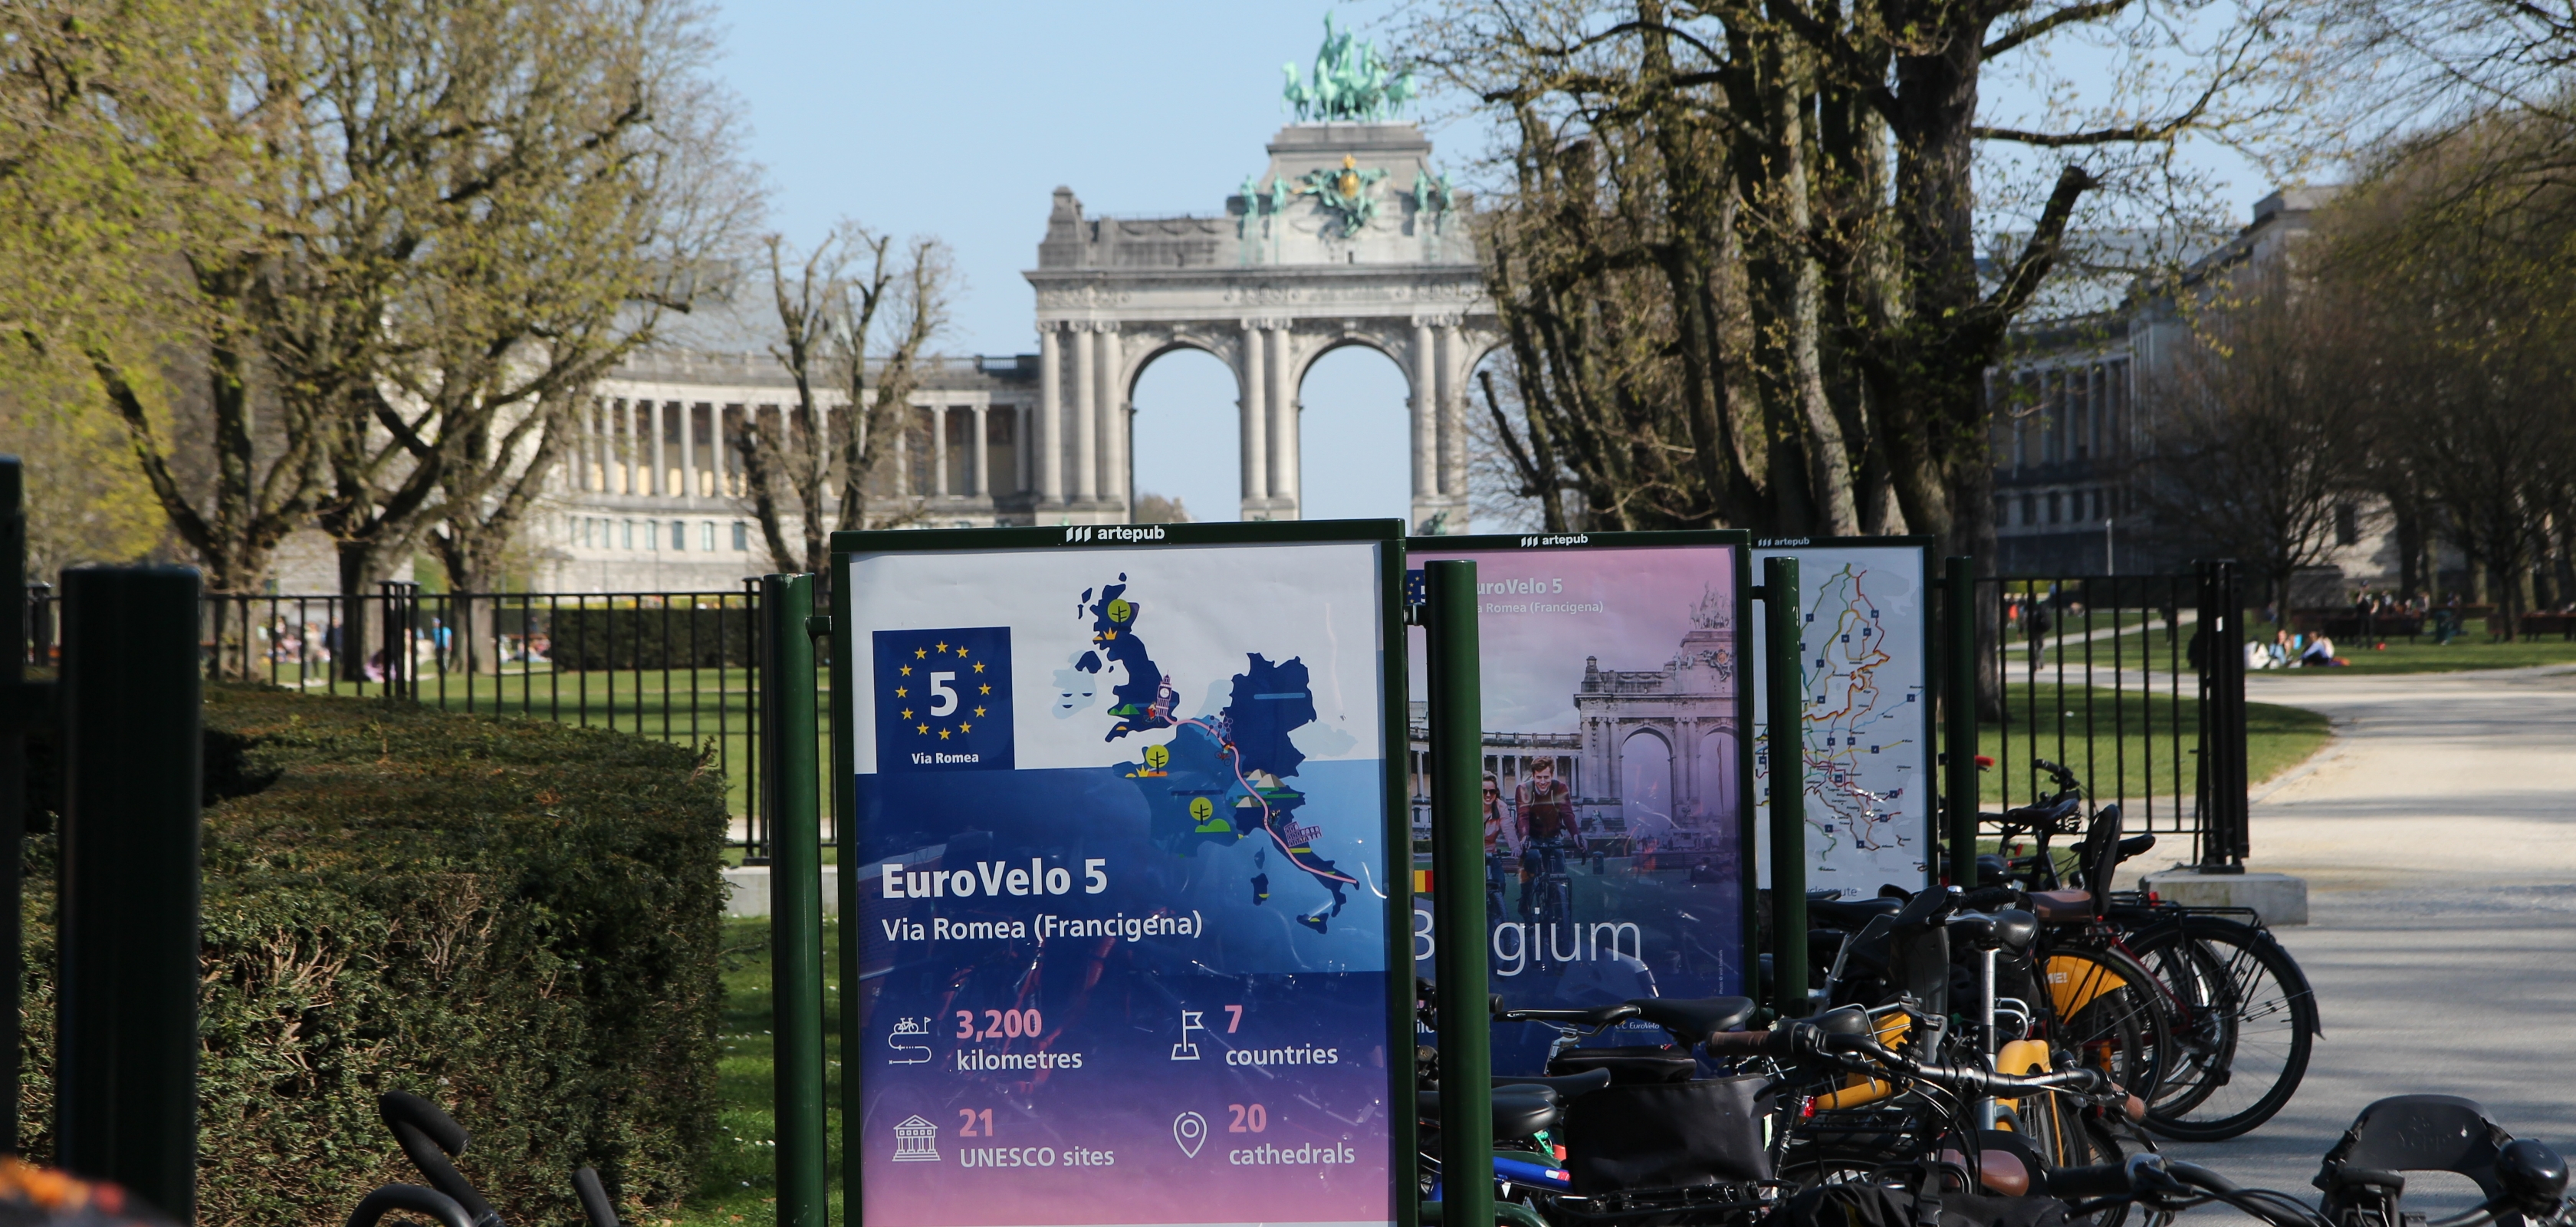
x,y
1348,237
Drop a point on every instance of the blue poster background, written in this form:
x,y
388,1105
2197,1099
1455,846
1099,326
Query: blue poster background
x,y
1147,989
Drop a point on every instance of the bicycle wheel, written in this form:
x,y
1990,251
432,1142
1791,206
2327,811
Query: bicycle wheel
x,y
2100,1006
2063,1137
2244,1022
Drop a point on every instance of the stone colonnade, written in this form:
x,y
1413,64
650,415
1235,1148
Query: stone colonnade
x,y
1087,371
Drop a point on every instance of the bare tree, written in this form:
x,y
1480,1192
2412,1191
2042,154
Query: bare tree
x,y
1737,247
854,321
2258,438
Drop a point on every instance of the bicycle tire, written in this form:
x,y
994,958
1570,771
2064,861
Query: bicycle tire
x,y
2100,1004
2247,1019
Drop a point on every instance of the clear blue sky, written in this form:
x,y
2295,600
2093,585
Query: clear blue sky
x,y
959,120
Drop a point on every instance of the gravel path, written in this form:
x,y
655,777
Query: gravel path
x,y
2438,837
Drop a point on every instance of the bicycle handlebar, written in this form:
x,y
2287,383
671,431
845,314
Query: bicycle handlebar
x,y
410,1199
595,1205
1800,1039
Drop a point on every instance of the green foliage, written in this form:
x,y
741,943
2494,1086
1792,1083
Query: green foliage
x,y
516,919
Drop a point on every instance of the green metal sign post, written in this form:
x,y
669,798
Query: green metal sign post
x,y
1959,718
125,1102
1458,896
1788,714
20,710
795,897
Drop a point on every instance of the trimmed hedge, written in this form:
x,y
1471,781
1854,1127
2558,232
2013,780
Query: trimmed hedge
x,y
517,919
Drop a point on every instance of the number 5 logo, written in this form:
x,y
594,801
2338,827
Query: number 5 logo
x,y
947,696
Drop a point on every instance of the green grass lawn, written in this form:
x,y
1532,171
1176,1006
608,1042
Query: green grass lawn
x,y
2470,651
738,1185
2124,744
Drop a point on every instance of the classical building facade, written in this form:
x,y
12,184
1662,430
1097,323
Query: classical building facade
x,y
2079,439
1347,237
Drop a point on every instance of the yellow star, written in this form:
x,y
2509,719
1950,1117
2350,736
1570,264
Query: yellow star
x,y
979,666
907,671
979,711
921,728
943,734
964,727
917,654
942,647
961,651
901,693
986,688
907,713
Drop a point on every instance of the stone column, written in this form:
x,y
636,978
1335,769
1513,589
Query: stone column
x,y
1283,424
658,412
979,457
716,449
903,456
688,451
1112,422
1453,425
1426,421
1254,440
1048,463
1086,416
938,451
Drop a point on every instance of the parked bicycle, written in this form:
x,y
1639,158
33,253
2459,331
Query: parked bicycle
x,y
432,1140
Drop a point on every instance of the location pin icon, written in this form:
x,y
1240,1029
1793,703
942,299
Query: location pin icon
x,y
1190,1130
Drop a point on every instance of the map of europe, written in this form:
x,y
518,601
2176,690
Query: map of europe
x,y
1860,652
1218,778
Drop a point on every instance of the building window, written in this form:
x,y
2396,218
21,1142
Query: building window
x,y
741,536
679,534
626,532
2056,507
2347,524
707,536
2029,510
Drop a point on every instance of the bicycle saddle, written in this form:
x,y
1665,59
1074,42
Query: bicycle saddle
x,y
1518,1112
2059,907
1569,1086
1694,1019
1588,1016
1629,1066
2004,929
1850,913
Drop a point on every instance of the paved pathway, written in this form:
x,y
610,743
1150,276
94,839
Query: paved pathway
x,y
2438,838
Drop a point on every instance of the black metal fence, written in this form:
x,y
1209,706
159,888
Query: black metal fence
x,y
2115,677
681,667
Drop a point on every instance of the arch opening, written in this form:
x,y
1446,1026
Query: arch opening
x,y
1354,434
1646,787
1186,438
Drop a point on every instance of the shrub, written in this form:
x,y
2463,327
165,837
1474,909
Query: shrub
x,y
516,919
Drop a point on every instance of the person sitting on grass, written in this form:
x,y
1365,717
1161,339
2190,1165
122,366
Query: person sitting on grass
x,y
2319,653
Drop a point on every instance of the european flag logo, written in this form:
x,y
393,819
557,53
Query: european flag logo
x,y
944,700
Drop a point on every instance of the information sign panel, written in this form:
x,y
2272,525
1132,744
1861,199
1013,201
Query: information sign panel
x,y
1616,771
1866,605
1123,812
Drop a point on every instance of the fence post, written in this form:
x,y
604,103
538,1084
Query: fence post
x,y
125,1097
795,898
14,594
1457,767
1959,715
1788,733
2225,835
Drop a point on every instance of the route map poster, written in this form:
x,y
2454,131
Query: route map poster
x,y
1865,606
1615,773
1122,825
